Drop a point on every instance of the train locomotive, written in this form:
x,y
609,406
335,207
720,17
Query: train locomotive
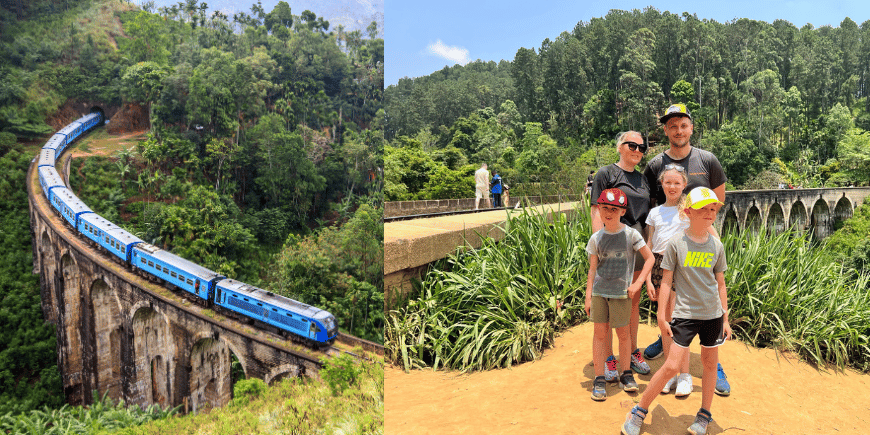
x,y
288,317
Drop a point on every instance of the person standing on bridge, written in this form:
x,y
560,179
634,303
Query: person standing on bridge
x,y
481,186
497,188
623,175
702,169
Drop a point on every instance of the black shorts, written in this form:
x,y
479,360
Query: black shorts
x,y
709,331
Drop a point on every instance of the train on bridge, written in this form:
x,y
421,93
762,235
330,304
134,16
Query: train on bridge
x,y
286,316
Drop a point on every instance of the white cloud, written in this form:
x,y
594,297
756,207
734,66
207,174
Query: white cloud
x,y
454,54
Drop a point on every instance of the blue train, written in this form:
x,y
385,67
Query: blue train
x,y
287,316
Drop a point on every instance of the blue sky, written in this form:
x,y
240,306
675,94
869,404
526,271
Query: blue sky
x,y
425,36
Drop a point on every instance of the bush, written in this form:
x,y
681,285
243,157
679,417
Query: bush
x,y
340,373
248,389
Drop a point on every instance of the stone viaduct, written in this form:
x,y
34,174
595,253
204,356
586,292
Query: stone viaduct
x,y
815,210
119,333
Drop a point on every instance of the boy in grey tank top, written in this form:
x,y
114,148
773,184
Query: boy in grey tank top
x,y
694,263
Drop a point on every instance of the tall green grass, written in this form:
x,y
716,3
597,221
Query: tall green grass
x,y
502,304
785,293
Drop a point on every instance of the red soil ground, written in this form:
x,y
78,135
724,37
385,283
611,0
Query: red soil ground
x,y
772,393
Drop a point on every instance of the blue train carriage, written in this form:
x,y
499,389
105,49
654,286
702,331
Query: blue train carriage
x,y
46,157
90,120
114,239
68,205
186,275
283,313
49,178
55,143
69,133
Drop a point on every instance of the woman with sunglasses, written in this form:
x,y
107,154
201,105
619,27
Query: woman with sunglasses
x,y
624,176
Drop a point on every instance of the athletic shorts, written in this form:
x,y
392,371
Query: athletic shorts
x,y
610,310
709,331
481,192
656,274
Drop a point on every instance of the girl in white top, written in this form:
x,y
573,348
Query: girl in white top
x,y
662,223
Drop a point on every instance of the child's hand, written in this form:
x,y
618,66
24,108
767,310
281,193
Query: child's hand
x,y
665,327
633,289
588,306
726,328
652,292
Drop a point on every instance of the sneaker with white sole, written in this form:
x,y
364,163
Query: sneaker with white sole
x,y
610,372
638,364
670,385
684,385
702,420
654,350
723,388
599,392
628,382
633,421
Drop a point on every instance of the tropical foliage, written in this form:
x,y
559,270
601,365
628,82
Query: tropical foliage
x,y
503,303
759,92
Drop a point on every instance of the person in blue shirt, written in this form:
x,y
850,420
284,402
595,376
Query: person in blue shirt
x,y
497,188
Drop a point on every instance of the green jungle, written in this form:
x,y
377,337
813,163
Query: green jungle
x,y
776,104
260,159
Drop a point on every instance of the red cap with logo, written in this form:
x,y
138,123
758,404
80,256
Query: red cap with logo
x,y
614,197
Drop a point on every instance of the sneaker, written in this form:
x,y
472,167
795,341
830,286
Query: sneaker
x,y
654,350
684,385
638,364
670,385
599,392
702,419
633,421
610,372
627,381
723,388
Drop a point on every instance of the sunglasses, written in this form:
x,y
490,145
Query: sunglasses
x,y
675,167
634,146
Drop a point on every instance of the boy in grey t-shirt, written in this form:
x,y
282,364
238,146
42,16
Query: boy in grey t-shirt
x,y
694,262
609,285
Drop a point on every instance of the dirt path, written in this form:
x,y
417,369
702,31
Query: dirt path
x,y
101,143
772,393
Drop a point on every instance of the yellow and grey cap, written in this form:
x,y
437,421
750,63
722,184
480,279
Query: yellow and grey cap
x,y
700,197
675,110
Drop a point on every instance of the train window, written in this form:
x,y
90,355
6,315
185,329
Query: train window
x,y
144,262
189,281
174,275
274,310
107,240
151,263
235,296
123,249
260,304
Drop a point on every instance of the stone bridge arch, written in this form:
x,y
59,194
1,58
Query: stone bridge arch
x,y
797,216
754,220
842,212
285,371
211,373
155,356
48,270
68,309
776,218
820,219
108,327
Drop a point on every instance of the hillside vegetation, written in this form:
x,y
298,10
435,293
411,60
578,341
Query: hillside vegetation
x,y
774,102
262,161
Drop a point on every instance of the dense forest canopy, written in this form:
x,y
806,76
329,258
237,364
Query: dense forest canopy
x,y
262,159
775,102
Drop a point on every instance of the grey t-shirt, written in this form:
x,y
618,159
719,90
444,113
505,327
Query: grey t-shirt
x,y
702,169
615,253
695,266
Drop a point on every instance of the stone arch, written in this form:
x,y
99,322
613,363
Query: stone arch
x,y
753,219
842,212
108,330
155,356
731,223
820,219
797,217
210,374
69,311
284,371
775,219
48,269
